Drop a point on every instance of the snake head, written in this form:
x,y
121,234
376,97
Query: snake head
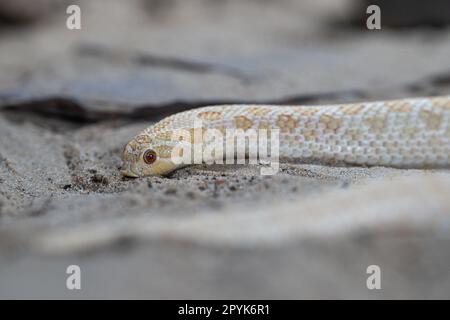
x,y
141,157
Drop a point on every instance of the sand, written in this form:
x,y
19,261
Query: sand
x,y
70,100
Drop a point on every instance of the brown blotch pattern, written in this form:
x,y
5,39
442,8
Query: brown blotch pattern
x,y
309,135
264,125
432,119
210,115
286,123
330,122
242,122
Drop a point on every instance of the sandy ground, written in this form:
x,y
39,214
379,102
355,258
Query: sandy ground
x,y
70,100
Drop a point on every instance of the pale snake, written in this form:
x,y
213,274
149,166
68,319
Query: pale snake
x,y
407,133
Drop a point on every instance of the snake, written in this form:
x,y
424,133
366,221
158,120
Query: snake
x,y
399,133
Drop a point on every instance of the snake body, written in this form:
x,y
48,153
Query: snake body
x,y
402,133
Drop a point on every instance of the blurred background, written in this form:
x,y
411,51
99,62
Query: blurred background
x,y
70,100
145,53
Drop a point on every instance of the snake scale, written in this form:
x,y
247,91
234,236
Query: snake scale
x,y
405,133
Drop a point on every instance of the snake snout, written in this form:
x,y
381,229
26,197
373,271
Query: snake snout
x,y
128,158
126,170
129,173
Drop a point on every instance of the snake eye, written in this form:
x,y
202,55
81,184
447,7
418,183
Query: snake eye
x,y
149,156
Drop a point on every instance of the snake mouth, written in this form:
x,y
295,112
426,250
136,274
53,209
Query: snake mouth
x,y
127,172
